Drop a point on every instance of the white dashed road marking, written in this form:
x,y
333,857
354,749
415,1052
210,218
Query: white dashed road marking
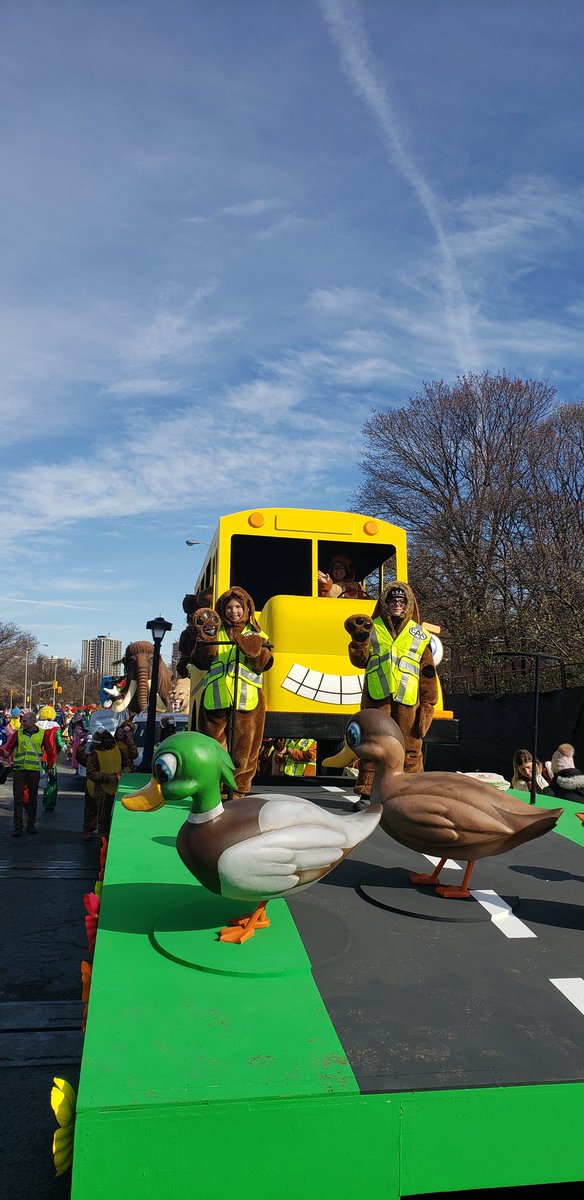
x,y
502,915
573,990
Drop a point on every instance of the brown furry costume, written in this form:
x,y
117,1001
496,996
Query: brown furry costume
x,y
186,644
256,656
413,720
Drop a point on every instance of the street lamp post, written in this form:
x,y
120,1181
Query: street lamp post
x,y
158,627
26,654
56,662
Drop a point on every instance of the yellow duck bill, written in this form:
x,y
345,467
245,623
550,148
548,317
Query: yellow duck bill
x,y
148,799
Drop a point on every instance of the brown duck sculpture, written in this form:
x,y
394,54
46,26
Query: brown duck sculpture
x,y
441,813
256,848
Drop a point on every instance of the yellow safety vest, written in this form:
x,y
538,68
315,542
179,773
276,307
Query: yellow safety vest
x,y
393,670
218,682
29,751
291,766
110,763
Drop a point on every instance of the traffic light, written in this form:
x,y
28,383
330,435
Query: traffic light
x,y
54,683
59,689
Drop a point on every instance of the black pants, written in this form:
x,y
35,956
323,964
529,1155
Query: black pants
x,y
20,780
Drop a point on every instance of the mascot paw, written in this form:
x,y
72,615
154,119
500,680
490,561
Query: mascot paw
x,y
250,644
206,623
359,626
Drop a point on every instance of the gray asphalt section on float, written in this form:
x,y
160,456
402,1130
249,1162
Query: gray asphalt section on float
x,y
428,993
42,941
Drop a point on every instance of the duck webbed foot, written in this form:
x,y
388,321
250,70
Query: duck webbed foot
x,y
240,929
458,893
432,879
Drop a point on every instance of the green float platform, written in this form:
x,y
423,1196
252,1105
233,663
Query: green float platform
x,y
345,1052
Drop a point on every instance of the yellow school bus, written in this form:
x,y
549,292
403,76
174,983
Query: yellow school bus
x,y
276,554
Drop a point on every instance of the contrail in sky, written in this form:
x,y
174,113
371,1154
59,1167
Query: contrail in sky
x,y
344,21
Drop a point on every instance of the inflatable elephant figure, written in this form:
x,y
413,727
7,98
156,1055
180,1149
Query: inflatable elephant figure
x,y
137,662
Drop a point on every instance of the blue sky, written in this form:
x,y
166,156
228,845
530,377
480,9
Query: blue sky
x,y
230,230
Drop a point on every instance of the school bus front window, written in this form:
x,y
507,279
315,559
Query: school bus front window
x,y
271,566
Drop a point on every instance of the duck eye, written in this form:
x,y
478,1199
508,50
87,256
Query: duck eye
x,y
353,734
165,768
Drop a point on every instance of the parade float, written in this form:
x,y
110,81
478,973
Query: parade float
x,y
391,1034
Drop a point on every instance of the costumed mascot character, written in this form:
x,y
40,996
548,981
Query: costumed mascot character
x,y
47,721
400,676
192,602
233,625
137,662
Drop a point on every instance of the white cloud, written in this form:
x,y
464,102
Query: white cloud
x,y
146,387
344,21
249,208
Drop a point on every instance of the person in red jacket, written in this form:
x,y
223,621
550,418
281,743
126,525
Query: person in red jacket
x,y
33,750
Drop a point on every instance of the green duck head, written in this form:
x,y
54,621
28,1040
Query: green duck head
x,y
185,766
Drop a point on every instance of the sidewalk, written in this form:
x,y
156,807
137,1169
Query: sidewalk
x,y
42,941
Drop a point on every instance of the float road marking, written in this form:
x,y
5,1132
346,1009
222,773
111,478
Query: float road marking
x,y
502,914
573,990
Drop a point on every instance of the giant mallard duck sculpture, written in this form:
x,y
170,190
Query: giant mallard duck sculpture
x,y
441,813
253,849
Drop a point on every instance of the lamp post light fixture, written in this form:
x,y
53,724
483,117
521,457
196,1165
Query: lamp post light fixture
x,y
158,627
196,542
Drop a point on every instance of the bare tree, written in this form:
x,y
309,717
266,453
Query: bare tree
x,y
14,645
487,479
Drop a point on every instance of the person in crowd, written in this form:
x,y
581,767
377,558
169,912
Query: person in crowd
x,y
124,736
277,756
47,720
297,756
32,751
79,728
218,634
522,773
393,650
14,718
167,727
265,756
89,805
567,780
106,761
340,580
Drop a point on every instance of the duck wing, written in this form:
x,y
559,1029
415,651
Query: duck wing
x,y
296,845
430,822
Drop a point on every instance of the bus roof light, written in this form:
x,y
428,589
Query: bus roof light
x,y
256,520
371,527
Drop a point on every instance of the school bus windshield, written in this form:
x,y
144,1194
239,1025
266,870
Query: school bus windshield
x,y
275,566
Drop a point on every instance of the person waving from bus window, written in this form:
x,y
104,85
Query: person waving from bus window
x,y
340,580
400,676
233,625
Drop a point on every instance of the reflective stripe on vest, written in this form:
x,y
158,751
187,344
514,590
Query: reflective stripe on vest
x,y
25,758
291,766
393,670
218,682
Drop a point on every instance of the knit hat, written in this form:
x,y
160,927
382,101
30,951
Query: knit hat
x,y
563,758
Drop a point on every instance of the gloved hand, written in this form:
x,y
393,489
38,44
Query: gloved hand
x,y
359,625
206,622
425,714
